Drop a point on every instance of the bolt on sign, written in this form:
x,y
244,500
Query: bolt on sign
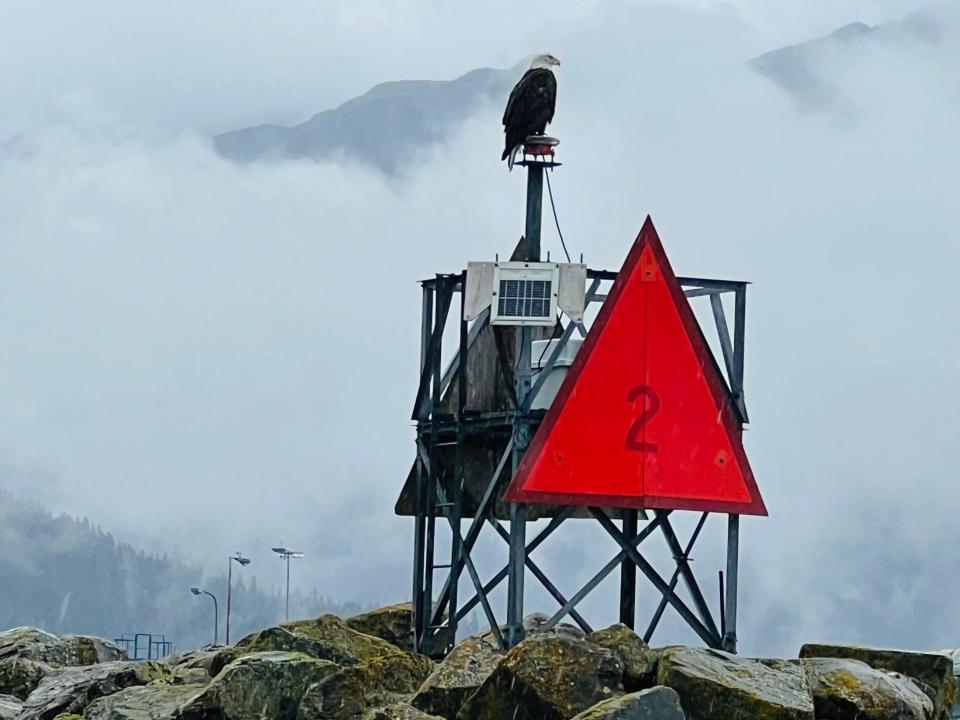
x,y
643,418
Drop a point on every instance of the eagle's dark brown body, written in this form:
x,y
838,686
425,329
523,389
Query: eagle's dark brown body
x,y
529,109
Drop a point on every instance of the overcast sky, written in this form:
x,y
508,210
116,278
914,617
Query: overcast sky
x,y
188,357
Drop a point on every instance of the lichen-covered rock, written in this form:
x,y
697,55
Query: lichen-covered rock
x,y
325,638
209,660
934,671
71,689
658,703
70,650
88,650
852,690
9,707
393,623
156,701
457,677
715,685
20,676
259,685
188,676
639,661
348,693
546,677
397,711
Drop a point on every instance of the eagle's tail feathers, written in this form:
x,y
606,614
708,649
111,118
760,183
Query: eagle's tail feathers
x,y
512,157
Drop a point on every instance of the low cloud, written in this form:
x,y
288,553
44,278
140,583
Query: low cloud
x,y
210,356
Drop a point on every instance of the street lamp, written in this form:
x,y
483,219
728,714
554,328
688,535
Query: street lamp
x,y
286,554
216,619
243,562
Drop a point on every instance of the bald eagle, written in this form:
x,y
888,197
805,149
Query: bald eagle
x,y
530,107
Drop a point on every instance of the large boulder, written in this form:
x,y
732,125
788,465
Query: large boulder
x,y
455,679
259,685
208,660
28,654
639,661
397,711
325,638
9,707
348,693
546,677
70,650
156,701
658,703
393,623
852,690
934,671
70,690
20,676
715,685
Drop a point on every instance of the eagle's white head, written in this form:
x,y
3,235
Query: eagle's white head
x,y
546,60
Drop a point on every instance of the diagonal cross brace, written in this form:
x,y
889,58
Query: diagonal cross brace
x,y
655,620
689,579
710,638
476,525
544,580
598,578
531,546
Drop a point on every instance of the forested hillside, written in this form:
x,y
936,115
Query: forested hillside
x,y
66,575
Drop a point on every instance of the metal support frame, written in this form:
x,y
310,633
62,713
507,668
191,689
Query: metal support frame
x,y
436,619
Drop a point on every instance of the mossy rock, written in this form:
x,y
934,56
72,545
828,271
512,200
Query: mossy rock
x,y
325,638
457,677
715,685
933,671
852,690
393,623
72,689
31,643
156,701
546,677
659,703
639,661
20,676
256,686
397,711
348,693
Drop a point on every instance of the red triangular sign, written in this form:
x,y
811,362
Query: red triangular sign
x,y
643,418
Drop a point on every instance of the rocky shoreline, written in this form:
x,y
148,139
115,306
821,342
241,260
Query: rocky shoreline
x,y
363,668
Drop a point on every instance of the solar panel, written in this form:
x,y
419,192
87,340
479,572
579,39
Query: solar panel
x,y
524,298
525,293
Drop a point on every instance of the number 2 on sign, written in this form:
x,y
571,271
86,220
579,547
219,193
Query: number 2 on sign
x,y
650,408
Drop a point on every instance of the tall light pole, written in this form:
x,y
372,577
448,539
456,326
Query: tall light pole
x,y
286,554
243,562
216,619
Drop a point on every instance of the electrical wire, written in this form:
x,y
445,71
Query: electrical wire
x,y
555,220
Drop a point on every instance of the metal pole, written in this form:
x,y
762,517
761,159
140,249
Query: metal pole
x,y
534,210
421,609
730,602
628,574
521,426
216,617
229,583
287,613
